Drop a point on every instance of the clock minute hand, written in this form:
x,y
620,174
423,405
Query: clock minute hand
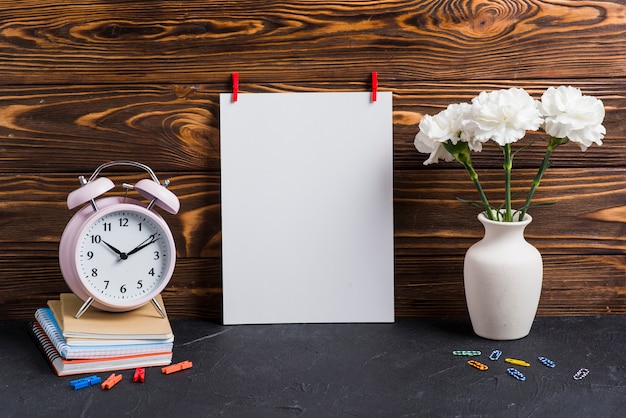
x,y
151,239
122,255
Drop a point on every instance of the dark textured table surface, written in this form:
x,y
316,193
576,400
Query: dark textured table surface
x,y
337,370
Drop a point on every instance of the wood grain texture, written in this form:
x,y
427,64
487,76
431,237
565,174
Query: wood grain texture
x,y
86,82
428,217
582,240
176,127
425,286
102,42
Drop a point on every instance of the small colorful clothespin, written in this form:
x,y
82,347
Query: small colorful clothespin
x,y
140,375
517,362
111,381
235,86
177,367
85,382
374,85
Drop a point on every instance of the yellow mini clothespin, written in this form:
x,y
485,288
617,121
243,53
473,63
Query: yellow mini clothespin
x,y
517,362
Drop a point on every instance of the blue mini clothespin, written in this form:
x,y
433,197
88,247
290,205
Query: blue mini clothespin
x,y
85,382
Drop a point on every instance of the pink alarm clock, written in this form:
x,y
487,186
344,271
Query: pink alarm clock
x,y
117,253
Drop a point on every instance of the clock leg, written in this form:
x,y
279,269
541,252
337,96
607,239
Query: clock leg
x,y
158,307
83,308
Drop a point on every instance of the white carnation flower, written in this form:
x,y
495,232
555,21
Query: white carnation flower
x,y
436,130
503,116
570,114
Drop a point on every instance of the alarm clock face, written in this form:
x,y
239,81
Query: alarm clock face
x,y
124,255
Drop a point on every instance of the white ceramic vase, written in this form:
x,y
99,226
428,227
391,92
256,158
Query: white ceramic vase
x,y
503,274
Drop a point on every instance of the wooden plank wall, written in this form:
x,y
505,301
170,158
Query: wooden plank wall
x,y
86,81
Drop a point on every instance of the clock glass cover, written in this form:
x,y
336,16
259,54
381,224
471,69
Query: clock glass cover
x,y
124,255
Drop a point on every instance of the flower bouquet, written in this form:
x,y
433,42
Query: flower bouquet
x,y
504,116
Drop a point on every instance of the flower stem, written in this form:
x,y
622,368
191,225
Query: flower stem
x,y
474,176
508,165
552,144
461,152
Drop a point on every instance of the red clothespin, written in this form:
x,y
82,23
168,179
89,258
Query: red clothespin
x,y
111,381
235,86
177,367
374,85
140,375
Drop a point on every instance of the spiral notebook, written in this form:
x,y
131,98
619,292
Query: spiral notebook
x,y
64,367
99,348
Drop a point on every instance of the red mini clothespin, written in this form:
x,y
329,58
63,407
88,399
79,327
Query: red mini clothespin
x,y
374,85
111,381
177,367
235,86
140,375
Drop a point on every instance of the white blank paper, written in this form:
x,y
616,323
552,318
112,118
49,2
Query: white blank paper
x,y
307,208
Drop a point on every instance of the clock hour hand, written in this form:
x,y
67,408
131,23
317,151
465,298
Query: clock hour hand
x,y
151,239
122,255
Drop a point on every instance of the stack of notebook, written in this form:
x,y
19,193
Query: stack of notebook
x,y
101,341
